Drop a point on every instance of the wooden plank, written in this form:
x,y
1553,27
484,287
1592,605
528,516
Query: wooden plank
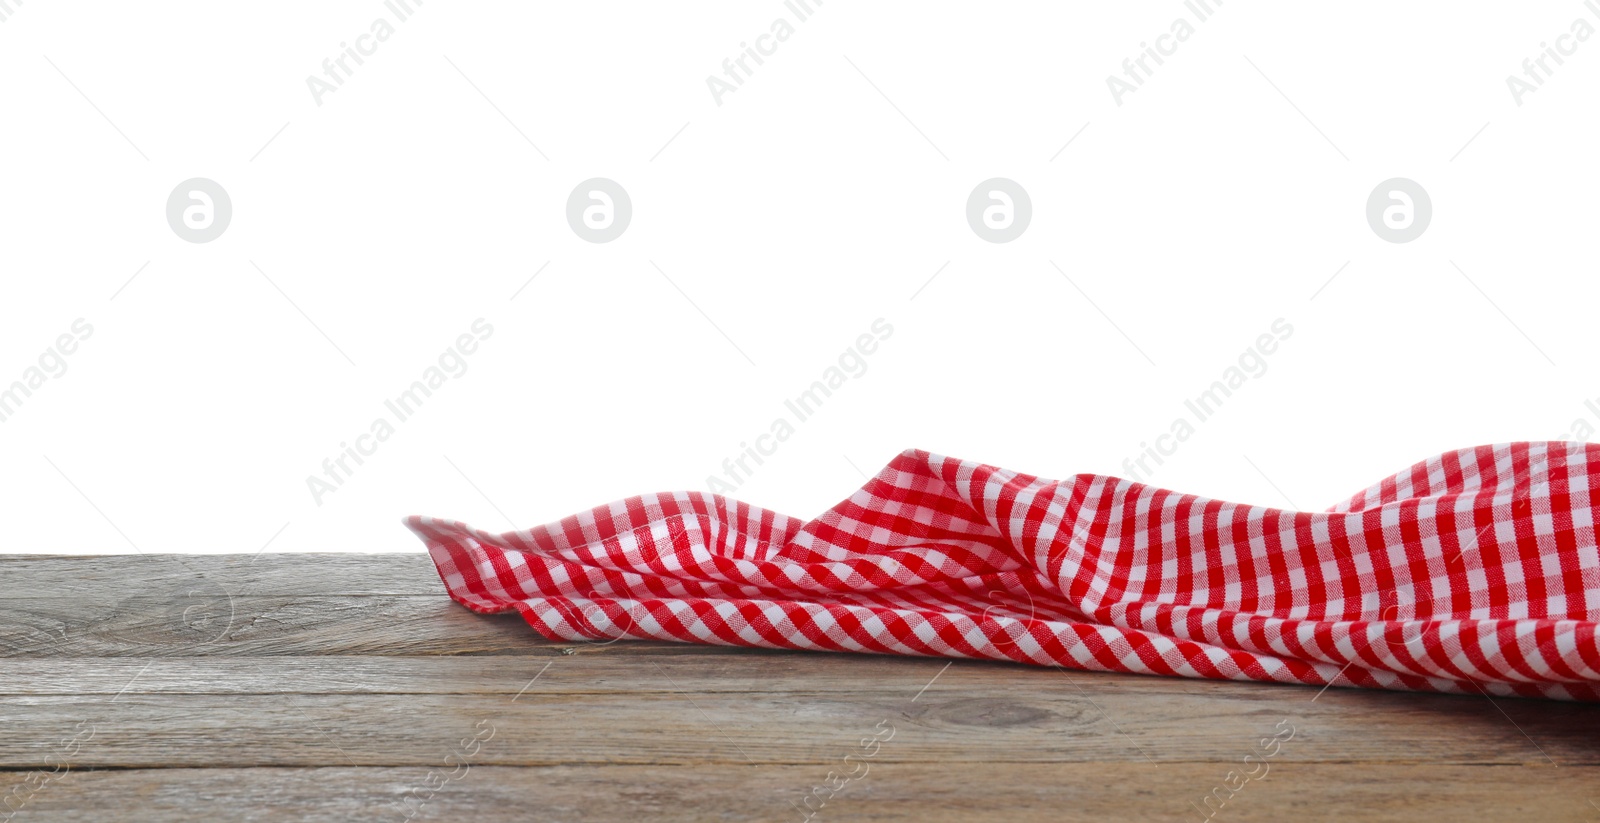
x,y
950,722
190,615
903,793
618,668
113,577
628,667
1185,710
205,624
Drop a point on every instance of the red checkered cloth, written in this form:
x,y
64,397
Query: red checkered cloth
x,y
1475,571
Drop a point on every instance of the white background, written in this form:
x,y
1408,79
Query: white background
x,y
823,194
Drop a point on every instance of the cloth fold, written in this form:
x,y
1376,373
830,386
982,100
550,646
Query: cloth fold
x,y
1475,571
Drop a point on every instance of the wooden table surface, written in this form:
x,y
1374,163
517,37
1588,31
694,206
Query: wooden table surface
x,y
346,687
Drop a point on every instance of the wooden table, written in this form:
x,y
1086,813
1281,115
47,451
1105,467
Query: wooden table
x,y
347,687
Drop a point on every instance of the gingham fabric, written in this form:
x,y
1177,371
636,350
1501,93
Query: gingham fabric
x,y
1474,571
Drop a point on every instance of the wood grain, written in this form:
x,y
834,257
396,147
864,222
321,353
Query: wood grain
x,y
201,624
895,792
88,576
328,687
953,724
